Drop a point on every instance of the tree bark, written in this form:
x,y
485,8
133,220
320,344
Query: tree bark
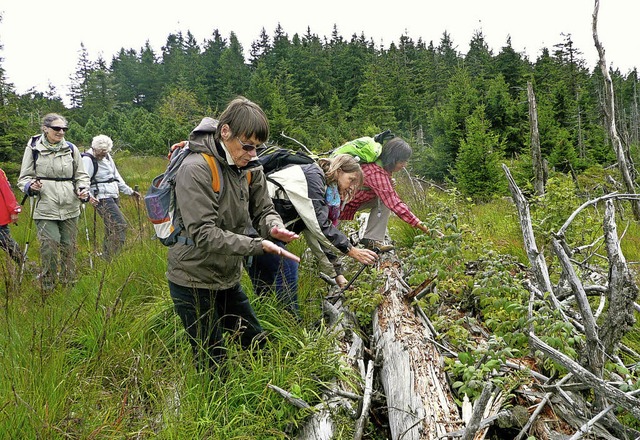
x,y
609,114
539,178
418,396
622,290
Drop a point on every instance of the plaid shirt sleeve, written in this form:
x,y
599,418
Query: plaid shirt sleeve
x,y
380,182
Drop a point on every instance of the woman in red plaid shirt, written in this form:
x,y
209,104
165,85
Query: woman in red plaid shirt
x,y
378,195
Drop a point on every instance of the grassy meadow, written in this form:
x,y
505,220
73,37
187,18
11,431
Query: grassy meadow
x,y
108,358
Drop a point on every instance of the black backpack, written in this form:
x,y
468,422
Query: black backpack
x,y
274,158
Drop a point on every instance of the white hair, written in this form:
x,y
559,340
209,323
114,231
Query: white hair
x,y
102,142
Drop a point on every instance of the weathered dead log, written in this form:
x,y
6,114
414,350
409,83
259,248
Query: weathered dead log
x,y
478,411
622,290
419,402
536,259
599,386
366,402
321,424
539,179
593,353
609,113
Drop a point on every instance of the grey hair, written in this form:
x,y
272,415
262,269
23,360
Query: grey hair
x,y
102,142
50,117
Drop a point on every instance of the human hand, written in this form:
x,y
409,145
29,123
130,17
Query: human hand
x,y
136,195
283,234
364,256
35,186
14,218
341,281
83,194
271,248
94,202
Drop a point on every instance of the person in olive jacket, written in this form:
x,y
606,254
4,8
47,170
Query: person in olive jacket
x,y
52,171
205,265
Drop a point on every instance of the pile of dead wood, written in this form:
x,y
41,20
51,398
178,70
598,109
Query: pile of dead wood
x,y
402,363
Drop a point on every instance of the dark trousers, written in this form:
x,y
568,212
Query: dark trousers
x,y
9,244
273,272
206,313
115,226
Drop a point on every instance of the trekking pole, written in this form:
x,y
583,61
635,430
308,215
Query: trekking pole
x,y
26,243
355,277
95,222
297,142
86,230
136,188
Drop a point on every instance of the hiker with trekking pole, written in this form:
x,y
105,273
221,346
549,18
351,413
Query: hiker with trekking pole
x,y
106,185
53,175
9,210
309,198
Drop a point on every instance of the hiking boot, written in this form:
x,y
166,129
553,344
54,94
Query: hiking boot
x,y
376,246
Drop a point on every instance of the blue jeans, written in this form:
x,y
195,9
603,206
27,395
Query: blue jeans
x,y
206,313
273,272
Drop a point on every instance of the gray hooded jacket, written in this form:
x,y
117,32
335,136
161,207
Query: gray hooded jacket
x,y
216,222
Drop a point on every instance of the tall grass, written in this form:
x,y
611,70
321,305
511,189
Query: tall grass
x,y
108,358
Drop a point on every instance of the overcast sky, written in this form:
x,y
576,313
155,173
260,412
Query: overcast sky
x,y
41,39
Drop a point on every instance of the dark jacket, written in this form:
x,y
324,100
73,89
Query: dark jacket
x,y
216,222
298,192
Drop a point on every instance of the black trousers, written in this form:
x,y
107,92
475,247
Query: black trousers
x,y
206,314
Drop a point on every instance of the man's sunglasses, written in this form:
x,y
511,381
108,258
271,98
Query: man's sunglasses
x,y
58,128
247,147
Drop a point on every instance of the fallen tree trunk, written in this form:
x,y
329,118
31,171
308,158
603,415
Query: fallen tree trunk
x,y
419,401
321,424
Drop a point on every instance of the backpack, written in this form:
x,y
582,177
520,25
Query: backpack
x,y
364,148
367,149
275,158
160,198
35,154
94,162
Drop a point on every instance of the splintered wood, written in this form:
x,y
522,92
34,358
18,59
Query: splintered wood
x,y
420,405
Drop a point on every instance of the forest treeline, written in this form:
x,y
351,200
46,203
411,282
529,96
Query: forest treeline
x,y
463,113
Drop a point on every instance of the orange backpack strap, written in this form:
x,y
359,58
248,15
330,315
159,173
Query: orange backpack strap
x,y
216,182
216,173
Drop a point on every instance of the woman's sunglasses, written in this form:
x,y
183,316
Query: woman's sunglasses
x,y
247,147
58,128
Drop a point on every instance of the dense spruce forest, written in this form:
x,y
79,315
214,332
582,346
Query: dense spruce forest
x,y
463,113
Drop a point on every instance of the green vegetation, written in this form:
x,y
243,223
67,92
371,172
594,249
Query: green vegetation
x,y
108,358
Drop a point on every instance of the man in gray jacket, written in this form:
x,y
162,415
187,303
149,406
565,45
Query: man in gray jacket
x,y
205,266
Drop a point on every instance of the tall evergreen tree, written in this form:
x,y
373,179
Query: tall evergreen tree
x,y
477,168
